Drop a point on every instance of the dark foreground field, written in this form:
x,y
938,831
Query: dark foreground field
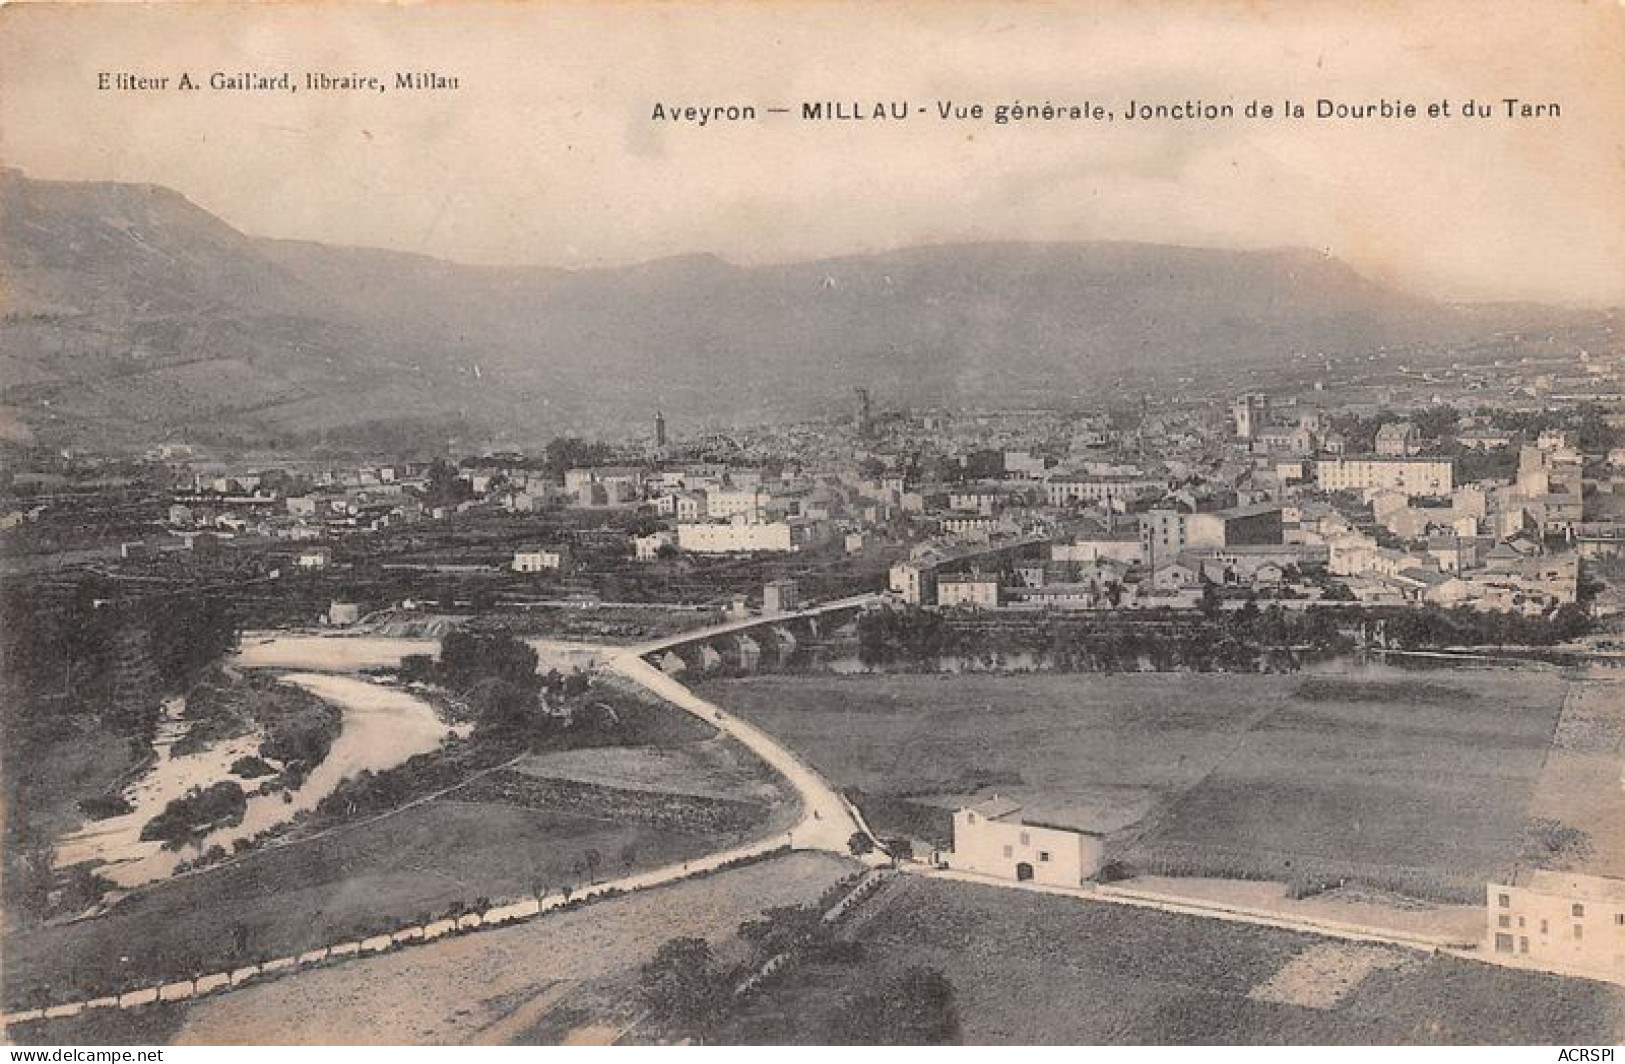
x,y
1422,779
1029,968
569,974
500,838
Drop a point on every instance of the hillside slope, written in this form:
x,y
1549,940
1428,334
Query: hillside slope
x,y
134,315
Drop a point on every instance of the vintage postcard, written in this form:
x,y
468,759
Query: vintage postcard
x,y
813,523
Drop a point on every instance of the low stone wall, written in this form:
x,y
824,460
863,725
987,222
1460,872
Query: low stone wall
x,y
861,890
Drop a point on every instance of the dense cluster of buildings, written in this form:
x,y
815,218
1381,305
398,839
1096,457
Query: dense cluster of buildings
x,y
1284,509
1290,499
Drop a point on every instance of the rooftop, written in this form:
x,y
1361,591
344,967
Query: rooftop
x,y
1574,885
1257,509
968,578
996,808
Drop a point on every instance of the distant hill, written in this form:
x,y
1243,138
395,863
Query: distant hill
x,y
133,315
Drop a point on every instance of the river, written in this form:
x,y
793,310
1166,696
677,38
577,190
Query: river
x,y
382,727
354,653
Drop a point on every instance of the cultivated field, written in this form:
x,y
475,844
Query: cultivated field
x,y
1260,775
565,973
1031,968
1581,784
715,768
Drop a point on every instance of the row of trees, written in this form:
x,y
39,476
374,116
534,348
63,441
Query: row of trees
x,y
1586,423
496,675
1250,638
91,653
1427,629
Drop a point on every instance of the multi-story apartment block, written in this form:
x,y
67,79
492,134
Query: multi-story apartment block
x,y
1413,476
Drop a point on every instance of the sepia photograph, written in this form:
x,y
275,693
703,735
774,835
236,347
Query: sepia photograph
x,y
871,523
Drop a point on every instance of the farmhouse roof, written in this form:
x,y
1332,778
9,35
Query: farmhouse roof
x,y
995,808
1576,885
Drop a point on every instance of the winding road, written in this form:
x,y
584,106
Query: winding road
x,y
828,820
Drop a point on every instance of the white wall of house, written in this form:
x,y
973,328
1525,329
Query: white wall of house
x,y
1559,921
537,561
1002,848
703,538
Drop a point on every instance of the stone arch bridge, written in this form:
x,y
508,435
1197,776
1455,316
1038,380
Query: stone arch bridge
x,y
751,643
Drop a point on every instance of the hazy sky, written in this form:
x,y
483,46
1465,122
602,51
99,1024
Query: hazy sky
x,y
547,153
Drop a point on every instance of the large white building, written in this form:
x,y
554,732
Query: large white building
x,y
1106,490
1164,533
726,503
978,590
1128,551
1559,921
915,581
1413,476
706,537
1398,438
991,840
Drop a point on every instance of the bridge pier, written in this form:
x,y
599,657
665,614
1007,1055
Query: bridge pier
x,y
710,659
748,652
782,640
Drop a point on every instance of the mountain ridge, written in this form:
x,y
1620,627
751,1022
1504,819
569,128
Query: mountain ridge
x,y
133,315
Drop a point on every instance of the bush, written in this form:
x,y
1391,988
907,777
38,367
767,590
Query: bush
x,y
251,767
1309,875
417,668
466,658
301,739
837,951
913,1008
103,806
1550,842
196,813
1308,886
683,986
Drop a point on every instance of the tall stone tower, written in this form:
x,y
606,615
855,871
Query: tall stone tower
x,y
1249,412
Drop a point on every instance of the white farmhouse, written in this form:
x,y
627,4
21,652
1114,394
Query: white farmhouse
x,y
990,839
541,560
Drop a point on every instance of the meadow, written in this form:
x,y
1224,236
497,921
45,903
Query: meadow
x,y
1425,777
